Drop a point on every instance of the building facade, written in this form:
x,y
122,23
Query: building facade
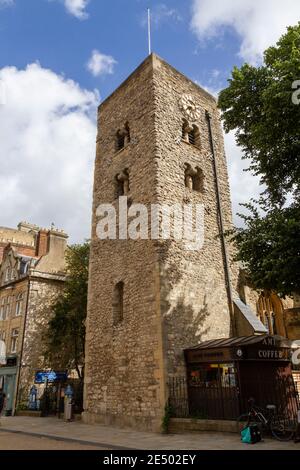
x,y
32,274
159,143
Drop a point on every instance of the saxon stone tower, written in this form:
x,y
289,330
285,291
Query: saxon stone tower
x,y
151,299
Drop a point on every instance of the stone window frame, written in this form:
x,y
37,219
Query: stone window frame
x,y
123,137
122,183
3,309
19,304
8,274
14,340
118,303
191,134
194,178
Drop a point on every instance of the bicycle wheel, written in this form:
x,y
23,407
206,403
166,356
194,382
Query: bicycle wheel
x,y
282,428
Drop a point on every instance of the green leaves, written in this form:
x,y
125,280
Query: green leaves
x,y
258,106
65,337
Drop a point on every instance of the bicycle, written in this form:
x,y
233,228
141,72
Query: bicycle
x,y
281,427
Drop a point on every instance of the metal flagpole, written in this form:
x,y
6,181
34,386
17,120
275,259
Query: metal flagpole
x,y
149,31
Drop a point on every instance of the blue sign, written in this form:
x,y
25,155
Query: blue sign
x,y
50,377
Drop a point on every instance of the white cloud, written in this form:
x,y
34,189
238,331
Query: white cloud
x,y
244,185
6,3
76,8
258,23
100,64
47,137
161,13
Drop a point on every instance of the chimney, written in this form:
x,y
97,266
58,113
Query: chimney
x,y
42,243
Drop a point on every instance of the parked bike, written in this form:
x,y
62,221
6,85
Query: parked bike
x,y
281,427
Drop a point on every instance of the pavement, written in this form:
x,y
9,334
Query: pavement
x,y
112,438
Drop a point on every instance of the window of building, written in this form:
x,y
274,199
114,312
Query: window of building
x,y
2,335
194,178
3,309
8,307
122,180
123,137
7,274
19,304
191,134
14,341
267,314
118,303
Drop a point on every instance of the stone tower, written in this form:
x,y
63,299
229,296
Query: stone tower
x,y
151,299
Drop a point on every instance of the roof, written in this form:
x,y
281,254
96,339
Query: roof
x,y
239,341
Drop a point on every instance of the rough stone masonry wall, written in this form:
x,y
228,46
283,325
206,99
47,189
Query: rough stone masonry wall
x,y
123,370
41,297
194,303
172,298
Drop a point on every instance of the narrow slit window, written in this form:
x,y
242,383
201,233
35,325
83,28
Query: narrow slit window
x,y
118,303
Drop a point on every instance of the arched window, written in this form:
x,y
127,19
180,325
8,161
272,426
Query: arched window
x,y
191,134
19,304
118,303
14,341
194,178
270,312
123,137
122,180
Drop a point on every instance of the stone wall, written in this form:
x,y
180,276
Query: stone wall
x,y
42,294
173,298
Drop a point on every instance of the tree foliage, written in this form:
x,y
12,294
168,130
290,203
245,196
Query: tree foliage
x,y
65,337
258,106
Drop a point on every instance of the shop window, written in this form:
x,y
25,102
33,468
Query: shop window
x,y
14,341
194,178
118,303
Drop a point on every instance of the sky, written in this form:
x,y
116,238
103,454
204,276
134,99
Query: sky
x,y
60,58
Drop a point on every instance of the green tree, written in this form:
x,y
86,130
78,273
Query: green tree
x,y
258,106
65,337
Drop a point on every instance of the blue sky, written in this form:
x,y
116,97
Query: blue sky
x,y
69,54
42,30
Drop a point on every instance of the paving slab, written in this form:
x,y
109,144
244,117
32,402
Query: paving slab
x,y
121,439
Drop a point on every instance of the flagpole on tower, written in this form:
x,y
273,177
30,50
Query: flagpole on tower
x,y
149,31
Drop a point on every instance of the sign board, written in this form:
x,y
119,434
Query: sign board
x,y
50,377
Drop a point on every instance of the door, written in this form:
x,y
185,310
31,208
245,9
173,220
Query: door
x,y
9,390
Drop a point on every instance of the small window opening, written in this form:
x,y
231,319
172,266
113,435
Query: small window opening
x,y
118,303
194,179
123,137
123,183
190,134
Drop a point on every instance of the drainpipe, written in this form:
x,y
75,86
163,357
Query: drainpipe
x,y
221,225
22,349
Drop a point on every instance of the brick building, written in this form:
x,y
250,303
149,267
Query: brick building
x,y
159,142
32,274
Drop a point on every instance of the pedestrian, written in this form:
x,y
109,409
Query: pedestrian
x,y
2,403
